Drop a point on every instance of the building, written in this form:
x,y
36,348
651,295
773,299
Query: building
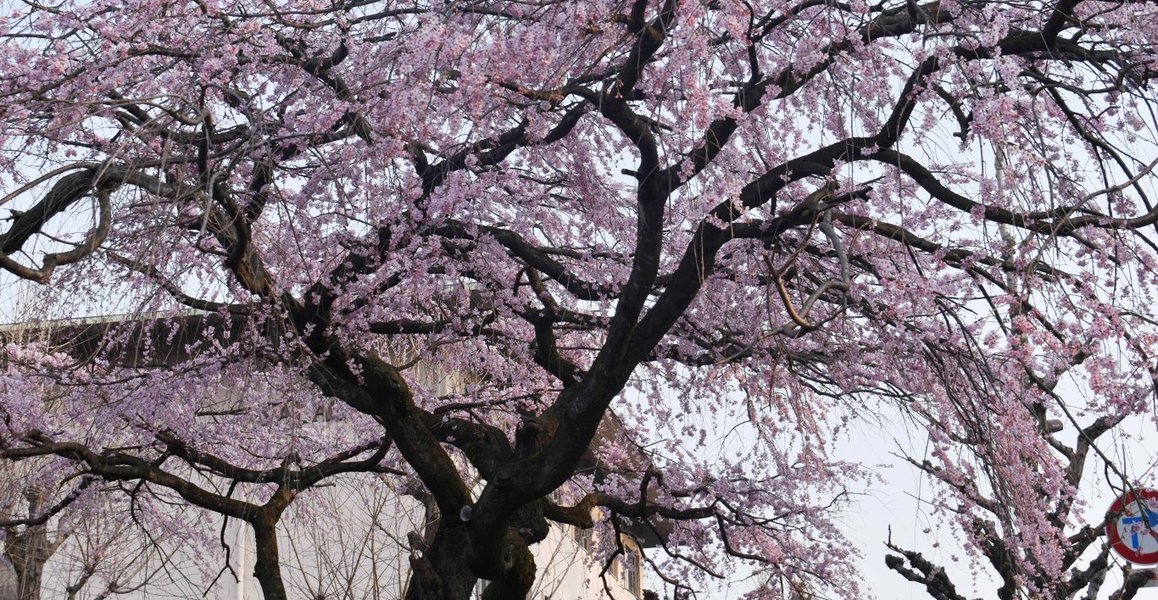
x,y
350,537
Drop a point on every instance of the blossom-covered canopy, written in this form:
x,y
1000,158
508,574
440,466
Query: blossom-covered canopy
x,y
752,221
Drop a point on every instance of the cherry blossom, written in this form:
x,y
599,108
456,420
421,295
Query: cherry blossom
x,y
478,244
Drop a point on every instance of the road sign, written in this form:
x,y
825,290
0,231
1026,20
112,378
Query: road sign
x,y
1132,526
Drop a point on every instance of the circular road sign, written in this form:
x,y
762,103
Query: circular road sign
x,y
1132,526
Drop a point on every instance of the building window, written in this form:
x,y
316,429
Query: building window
x,y
632,571
583,537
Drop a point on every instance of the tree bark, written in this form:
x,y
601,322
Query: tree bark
x,y
267,565
441,571
29,550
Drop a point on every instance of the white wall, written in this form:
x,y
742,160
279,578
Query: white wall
x,y
345,540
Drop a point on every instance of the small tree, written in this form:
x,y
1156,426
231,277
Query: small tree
x,y
676,215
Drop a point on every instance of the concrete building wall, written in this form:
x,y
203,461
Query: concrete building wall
x,y
347,540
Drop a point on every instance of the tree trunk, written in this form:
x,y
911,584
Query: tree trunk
x,y
29,550
520,577
441,571
444,573
267,565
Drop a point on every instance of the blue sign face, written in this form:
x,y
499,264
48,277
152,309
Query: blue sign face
x,y
1133,526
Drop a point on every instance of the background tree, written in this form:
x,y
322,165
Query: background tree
x,y
663,213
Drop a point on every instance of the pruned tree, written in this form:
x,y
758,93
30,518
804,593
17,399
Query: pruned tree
x,y
704,220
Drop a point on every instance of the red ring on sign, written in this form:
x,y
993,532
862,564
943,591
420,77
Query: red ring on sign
x,y
1116,511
